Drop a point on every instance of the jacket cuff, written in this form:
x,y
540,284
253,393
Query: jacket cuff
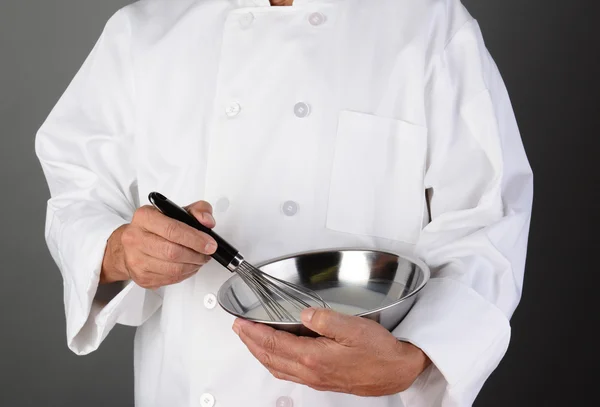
x,y
92,310
457,329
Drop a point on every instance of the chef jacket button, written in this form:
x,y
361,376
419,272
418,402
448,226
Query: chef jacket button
x,y
301,109
233,109
290,208
316,19
210,301
246,20
222,205
284,402
207,400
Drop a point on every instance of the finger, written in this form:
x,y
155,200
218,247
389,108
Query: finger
x,y
151,271
315,384
155,280
275,363
177,232
202,211
160,248
344,329
201,206
286,377
278,342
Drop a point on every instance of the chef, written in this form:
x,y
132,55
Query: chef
x,y
289,127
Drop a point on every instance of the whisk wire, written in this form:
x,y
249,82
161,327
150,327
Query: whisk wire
x,y
270,294
264,296
267,294
315,297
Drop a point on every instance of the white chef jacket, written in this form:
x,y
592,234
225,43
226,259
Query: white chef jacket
x,y
331,123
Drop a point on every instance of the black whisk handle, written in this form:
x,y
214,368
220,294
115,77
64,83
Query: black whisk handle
x,y
225,254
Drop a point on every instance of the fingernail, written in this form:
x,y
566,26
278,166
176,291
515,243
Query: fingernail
x,y
210,248
236,328
307,315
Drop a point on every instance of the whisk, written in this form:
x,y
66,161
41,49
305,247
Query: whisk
x,y
271,292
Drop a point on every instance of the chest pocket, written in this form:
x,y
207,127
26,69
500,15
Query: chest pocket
x,y
377,179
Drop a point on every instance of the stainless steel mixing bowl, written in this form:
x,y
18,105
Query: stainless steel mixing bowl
x,y
372,284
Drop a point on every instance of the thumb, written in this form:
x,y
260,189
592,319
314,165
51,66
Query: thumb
x,y
340,327
202,211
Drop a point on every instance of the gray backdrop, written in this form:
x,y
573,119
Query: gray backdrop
x,y
546,50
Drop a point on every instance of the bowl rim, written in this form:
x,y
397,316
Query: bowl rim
x,y
406,256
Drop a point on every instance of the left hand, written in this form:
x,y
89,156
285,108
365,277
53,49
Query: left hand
x,y
354,355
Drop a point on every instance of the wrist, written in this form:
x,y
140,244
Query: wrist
x,y
113,264
412,362
419,359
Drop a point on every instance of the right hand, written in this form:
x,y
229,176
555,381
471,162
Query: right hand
x,y
155,250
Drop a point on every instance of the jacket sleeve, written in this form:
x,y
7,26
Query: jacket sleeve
x,y
86,150
480,189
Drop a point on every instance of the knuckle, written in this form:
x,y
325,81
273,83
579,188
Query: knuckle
x,y
133,263
136,216
266,360
141,214
269,343
172,252
309,361
172,231
129,237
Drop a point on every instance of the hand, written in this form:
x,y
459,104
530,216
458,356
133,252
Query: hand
x,y
155,250
354,355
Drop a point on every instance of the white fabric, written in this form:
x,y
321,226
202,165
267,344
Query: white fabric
x,y
403,98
